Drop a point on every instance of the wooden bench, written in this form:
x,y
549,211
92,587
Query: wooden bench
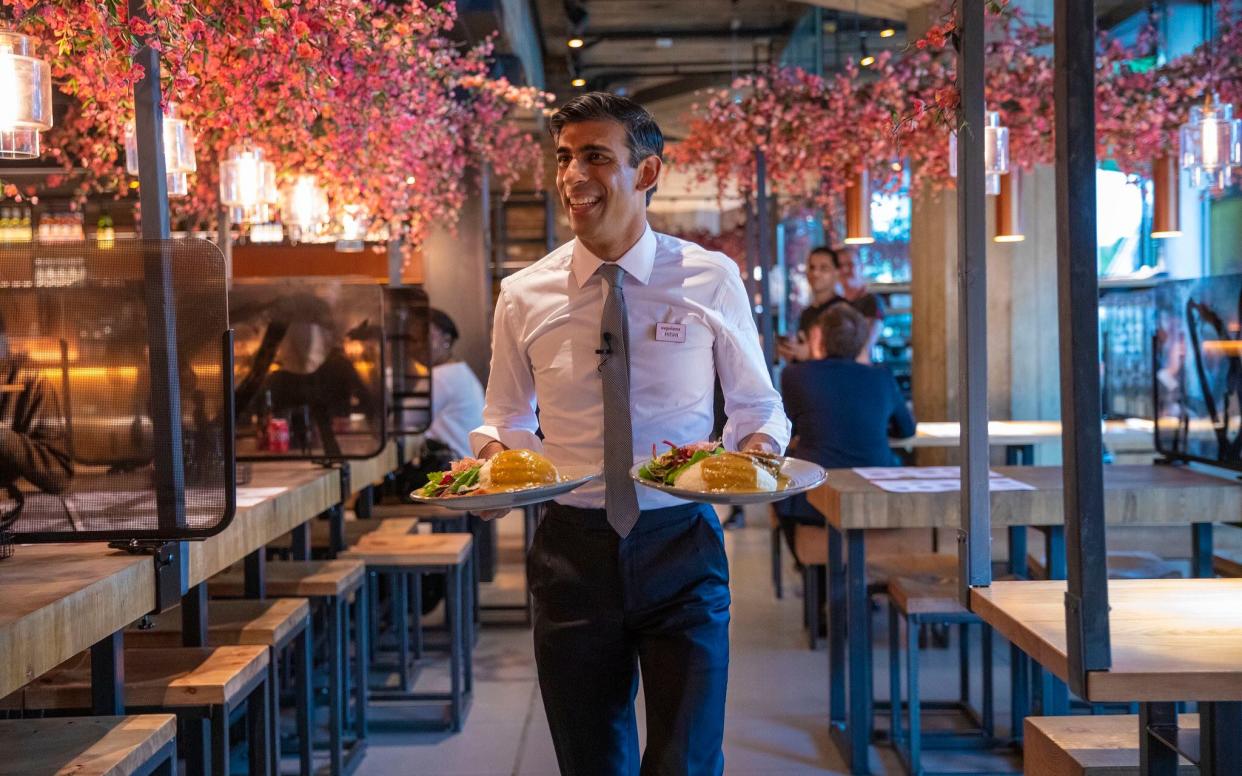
x,y
354,530
139,745
1227,564
1122,564
280,624
404,558
335,587
932,599
1105,745
196,682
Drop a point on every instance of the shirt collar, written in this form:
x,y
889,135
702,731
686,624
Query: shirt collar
x,y
637,261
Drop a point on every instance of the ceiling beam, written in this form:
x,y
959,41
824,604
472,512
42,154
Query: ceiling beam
x,y
880,9
741,33
684,85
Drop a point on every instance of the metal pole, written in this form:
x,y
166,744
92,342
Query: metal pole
x,y
1086,599
975,536
157,272
763,226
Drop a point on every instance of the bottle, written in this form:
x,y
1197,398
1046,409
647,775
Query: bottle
x,y
27,234
105,234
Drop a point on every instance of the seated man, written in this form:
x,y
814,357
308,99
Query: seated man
x,y
843,412
34,440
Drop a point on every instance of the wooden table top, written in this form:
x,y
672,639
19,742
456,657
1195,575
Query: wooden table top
x,y
1022,432
59,599
279,497
371,470
1133,495
1172,639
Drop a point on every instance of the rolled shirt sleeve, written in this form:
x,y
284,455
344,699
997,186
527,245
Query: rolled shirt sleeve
x,y
752,405
509,403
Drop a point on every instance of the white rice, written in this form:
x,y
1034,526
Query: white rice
x,y
692,479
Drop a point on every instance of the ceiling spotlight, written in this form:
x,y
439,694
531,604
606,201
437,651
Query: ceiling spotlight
x,y
410,180
896,166
865,57
576,42
579,81
887,32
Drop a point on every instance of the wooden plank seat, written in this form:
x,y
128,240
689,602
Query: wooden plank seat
x,y
1097,745
135,745
280,624
1227,563
198,683
335,587
402,559
354,530
931,598
1122,564
426,512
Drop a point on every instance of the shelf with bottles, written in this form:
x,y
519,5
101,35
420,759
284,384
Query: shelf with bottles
x,y
15,224
62,227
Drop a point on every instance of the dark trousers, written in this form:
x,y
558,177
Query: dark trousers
x,y
604,607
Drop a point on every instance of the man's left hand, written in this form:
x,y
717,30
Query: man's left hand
x,y
760,443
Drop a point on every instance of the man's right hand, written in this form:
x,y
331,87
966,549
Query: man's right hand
x,y
794,349
489,450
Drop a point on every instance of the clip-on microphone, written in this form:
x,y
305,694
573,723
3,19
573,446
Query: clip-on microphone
x,y
604,352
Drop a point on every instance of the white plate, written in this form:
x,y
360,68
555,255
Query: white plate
x,y
803,476
574,477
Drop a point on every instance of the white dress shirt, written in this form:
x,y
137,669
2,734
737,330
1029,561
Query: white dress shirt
x,y
547,329
456,405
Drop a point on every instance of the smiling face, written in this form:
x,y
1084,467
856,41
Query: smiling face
x,y
603,194
821,274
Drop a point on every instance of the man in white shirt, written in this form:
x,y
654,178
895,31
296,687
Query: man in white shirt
x,y
617,338
456,394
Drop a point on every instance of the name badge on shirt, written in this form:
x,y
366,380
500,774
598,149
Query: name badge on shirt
x,y
670,332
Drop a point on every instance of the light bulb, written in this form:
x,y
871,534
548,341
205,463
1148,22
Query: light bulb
x,y
248,180
1210,154
9,95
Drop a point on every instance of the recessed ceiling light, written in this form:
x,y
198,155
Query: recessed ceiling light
x,y
409,180
578,82
867,61
576,42
887,32
664,42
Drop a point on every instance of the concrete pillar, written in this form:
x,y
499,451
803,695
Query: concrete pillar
x,y
459,280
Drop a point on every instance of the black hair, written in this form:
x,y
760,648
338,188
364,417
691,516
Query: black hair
x,y
832,253
643,136
444,323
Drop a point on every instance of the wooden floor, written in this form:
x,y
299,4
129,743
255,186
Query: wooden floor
x,y
776,723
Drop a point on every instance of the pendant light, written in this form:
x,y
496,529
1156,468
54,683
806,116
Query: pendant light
x,y
247,185
858,210
25,97
1211,145
179,158
1165,198
1009,208
353,229
306,209
995,152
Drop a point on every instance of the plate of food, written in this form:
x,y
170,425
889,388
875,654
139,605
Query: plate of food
x,y
706,472
507,480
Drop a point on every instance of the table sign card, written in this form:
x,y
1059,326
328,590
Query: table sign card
x,y
877,473
923,485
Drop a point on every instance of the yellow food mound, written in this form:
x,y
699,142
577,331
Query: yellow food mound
x,y
512,469
733,472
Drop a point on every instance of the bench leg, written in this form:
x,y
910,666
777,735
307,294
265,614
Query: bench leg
x,y
894,678
196,734
273,712
302,664
336,670
1155,758
415,581
258,730
810,576
985,646
347,676
361,608
373,598
1221,749
219,741
963,663
399,612
776,562
915,740
471,606
1019,689
454,614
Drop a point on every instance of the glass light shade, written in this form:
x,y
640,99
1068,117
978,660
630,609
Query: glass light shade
x,y
353,223
179,158
995,153
1211,145
306,208
248,185
25,97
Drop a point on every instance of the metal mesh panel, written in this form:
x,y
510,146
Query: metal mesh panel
x,y
409,359
1197,370
115,413
309,368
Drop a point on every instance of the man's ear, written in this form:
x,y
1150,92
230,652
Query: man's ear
x,y
648,173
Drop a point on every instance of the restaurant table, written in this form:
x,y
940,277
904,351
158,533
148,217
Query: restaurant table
x,y
1172,640
852,505
1019,437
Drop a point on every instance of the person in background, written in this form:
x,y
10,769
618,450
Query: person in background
x,y
853,288
821,275
843,412
456,393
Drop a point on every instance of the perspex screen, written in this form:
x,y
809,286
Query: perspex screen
x,y
114,403
309,368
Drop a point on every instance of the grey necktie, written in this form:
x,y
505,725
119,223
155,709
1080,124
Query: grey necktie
x,y
620,500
